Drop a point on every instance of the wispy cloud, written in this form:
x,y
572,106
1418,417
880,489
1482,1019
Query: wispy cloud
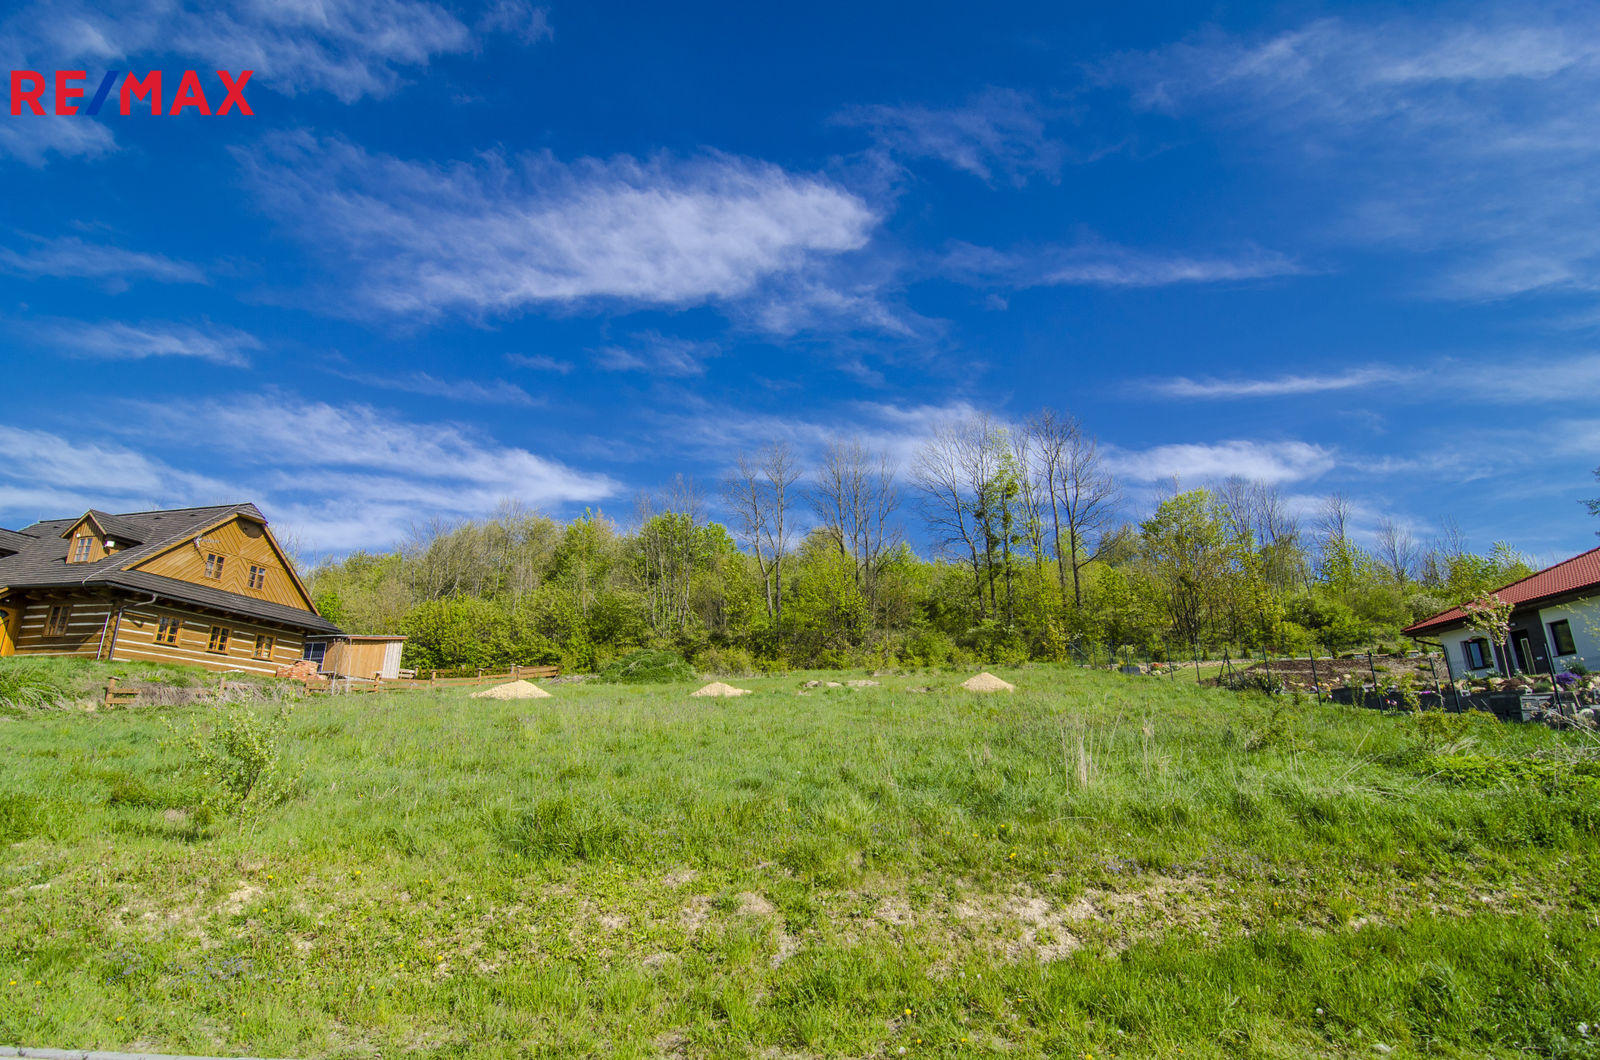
x,y
499,236
115,340
998,131
539,362
1098,264
70,256
657,354
470,391
349,49
1277,386
1467,134
46,475
1195,463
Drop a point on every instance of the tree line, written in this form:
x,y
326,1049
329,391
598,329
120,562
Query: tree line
x,y
1030,554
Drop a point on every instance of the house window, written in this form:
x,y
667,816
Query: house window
x,y
263,646
219,640
213,565
1479,657
316,651
55,623
258,577
167,630
82,545
1561,637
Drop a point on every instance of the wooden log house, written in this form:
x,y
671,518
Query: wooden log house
x,y
205,587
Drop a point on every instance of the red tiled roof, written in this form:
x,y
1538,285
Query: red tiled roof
x,y
1569,576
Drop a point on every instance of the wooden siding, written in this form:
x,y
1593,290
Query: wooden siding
x,y
136,639
85,625
363,658
97,546
242,543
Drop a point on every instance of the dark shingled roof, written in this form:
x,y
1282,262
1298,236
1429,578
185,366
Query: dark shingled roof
x,y
13,542
36,558
1576,575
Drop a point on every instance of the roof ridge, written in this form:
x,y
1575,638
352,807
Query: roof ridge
x,y
192,508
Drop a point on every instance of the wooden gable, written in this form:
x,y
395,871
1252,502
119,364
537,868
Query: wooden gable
x,y
233,556
88,527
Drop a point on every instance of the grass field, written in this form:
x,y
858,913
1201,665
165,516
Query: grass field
x,y
1093,866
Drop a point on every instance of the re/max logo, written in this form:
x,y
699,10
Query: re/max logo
x,y
27,89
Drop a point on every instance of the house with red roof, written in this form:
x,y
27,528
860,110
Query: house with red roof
x,y
1555,624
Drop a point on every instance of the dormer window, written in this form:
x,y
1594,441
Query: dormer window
x,y
82,545
213,566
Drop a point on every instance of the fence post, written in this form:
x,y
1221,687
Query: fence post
x,y
1197,662
111,691
1372,670
1316,682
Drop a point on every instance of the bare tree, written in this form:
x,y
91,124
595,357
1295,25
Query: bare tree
x,y
855,498
1397,550
944,472
1087,497
759,495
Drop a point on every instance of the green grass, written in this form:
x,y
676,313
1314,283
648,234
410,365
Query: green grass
x,y
1096,865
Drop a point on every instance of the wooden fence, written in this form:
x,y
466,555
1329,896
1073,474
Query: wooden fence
x,y
116,695
377,683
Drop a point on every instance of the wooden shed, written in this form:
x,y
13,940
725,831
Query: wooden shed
x,y
361,656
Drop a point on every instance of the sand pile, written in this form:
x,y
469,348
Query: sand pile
x,y
513,690
987,682
717,688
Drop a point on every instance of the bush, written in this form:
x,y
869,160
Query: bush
x,y
240,760
647,667
728,661
931,647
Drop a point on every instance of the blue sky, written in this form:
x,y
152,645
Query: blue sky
x,y
559,253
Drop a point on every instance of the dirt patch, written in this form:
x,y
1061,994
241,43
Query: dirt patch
x,y
513,690
987,682
717,688
693,916
752,904
1023,924
234,904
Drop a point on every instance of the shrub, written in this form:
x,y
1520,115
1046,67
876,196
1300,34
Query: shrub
x,y
728,661
931,647
240,759
647,667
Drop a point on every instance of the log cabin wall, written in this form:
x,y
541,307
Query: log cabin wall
x,y
141,636
80,628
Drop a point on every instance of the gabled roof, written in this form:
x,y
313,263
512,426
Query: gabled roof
x,y
121,529
40,560
12,542
1569,577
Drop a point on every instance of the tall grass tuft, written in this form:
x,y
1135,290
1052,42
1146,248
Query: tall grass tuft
x,y
26,686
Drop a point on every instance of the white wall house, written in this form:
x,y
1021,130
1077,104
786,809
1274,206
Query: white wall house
x,y
1555,625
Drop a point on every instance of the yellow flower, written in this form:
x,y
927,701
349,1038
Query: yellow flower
x,y
908,1012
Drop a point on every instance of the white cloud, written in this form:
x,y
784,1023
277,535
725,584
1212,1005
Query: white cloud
x,y
346,477
349,49
998,129
32,139
1468,135
44,475
1194,463
70,256
1098,264
114,340
498,236
658,354
472,391
539,362
1278,386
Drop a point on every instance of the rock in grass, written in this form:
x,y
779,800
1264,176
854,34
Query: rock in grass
x,y
513,690
987,682
717,688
